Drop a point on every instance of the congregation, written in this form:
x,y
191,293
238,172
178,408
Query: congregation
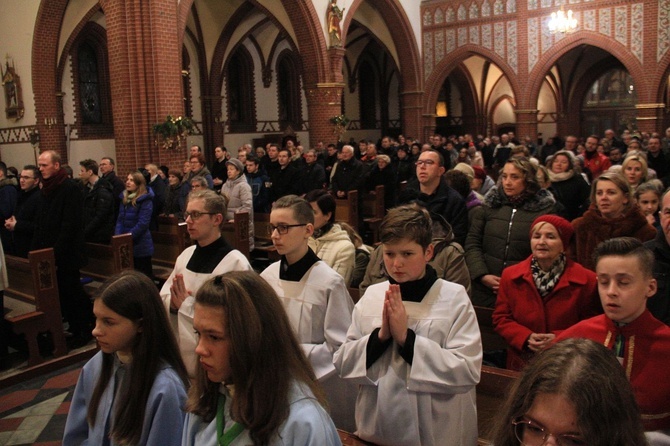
x,y
564,238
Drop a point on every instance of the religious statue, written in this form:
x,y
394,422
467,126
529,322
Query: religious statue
x,y
334,30
11,83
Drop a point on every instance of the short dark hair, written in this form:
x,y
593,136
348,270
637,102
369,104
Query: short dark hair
x,y
89,164
34,168
324,200
3,168
626,247
410,222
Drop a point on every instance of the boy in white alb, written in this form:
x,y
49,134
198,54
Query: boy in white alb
x,y
209,256
414,346
315,298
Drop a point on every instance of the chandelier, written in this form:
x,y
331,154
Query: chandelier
x,y
561,22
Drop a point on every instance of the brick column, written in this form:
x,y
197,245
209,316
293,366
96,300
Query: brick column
x,y
145,72
650,117
526,123
324,101
411,109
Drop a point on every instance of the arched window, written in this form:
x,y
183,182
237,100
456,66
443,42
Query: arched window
x,y
367,91
614,88
241,92
288,92
90,76
89,86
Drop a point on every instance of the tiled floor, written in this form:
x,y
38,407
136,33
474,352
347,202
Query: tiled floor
x,y
34,412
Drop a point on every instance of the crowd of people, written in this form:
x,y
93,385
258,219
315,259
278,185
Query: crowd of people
x,y
564,240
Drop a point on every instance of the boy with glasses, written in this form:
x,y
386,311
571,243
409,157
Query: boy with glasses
x,y
315,298
209,256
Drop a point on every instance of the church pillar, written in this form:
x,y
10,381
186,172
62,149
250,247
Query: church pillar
x,y
526,123
413,120
145,72
324,102
650,117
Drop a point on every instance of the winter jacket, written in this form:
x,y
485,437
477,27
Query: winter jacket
x,y
573,193
59,225
593,228
445,201
336,250
8,196
349,175
260,193
26,212
204,172
135,220
240,199
312,176
520,310
448,262
498,237
99,212
659,303
284,182
175,200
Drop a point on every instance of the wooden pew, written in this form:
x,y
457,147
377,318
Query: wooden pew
x,y
263,246
373,211
237,233
106,260
492,392
490,339
33,281
168,245
346,209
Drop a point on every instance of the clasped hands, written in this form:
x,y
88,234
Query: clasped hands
x,y
178,292
394,317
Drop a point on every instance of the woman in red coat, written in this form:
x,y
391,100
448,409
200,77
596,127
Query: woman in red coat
x,y
544,294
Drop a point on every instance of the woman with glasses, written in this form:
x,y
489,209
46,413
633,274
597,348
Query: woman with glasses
x,y
572,394
330,242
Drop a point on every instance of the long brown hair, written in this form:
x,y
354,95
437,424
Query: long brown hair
x,y
134,296
265,356
589,376
141,184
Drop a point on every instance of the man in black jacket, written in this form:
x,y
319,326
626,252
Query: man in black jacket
x,y
22,223
430,189
59,226
350,174
98,211
107,173
285,180
659,304
312,174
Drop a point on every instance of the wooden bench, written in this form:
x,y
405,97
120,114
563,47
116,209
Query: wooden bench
x,y
490,339
168,244
33,281
106,260
237,233
346,209
263,246
373,212
492,391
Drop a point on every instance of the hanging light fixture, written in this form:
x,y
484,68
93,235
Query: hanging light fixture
x,y
561,22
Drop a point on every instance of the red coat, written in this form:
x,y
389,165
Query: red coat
x,y
646,359
520,311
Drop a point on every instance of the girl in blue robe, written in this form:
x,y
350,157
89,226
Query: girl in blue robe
x,y
133,391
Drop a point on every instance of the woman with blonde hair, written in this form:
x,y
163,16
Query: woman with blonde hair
x,y
613,213
635,170
134,218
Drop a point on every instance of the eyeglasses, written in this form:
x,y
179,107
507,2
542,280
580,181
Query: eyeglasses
x,y
196,214
282,229
530,434
426,162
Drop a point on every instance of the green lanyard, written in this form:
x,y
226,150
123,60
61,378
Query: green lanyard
x,y
225,438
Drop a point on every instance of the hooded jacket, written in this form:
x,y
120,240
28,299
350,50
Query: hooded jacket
x,y
336,250
135,220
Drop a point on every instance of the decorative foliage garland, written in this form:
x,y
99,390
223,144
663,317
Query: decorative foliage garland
x,y
340,122
170,133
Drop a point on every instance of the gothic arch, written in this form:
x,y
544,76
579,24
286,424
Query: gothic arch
x,y
445,67
560,48
394,15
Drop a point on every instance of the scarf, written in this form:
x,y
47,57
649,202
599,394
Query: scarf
x,y
518,200
545,281
558,177
50,184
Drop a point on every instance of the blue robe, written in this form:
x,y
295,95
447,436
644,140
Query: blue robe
x,y
307,424
163,418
